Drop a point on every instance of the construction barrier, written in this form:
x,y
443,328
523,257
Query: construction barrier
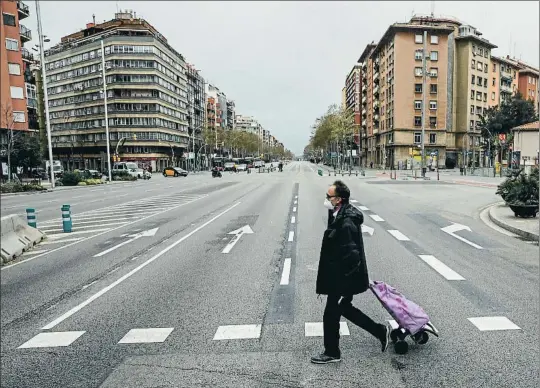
x,y
17,237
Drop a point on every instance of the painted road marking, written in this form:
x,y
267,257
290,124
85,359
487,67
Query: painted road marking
x,y
52,340
354,201
446,272
291,236
375,217
293,219
237,332
398,235
133,271
364,208
315,329
144,336
294,209
286,272
493,323
35,252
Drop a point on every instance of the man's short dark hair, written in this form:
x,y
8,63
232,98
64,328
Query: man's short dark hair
x,y
342,191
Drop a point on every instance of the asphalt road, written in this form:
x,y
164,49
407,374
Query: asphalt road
x,y
191,305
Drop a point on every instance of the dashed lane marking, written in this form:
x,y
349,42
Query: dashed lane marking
x,y
441,268
229,332
493,323
398,235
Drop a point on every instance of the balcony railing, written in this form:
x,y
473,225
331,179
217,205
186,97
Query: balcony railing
x,y
26,34
27,55
24,10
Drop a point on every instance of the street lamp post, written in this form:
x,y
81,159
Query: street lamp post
x,y
106,113
45,93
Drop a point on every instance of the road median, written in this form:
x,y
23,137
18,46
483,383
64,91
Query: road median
x,y
501,215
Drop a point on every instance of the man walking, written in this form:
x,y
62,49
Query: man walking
x,y
343,273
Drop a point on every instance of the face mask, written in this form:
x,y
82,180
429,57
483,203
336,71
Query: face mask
x,y
327,204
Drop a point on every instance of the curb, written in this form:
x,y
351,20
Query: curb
x,y
522,233
474,184
68,188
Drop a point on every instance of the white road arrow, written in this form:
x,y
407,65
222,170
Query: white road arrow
x,y
238,233
367,229
146,233
452,229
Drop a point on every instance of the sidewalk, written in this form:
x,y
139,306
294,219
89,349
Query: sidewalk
x,y
502,216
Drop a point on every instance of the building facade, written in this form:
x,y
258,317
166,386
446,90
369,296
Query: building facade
x,y
15,74
353,92
230,114
147,98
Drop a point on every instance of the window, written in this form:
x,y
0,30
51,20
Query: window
x,y
473,64
493,96
17,92
434,55
418,105
473,78
432,137
31,91
493,83
485,97
12,44
418,38
433,122
486,69
418,88
479,82
9,20
494,67
472,109
480,51
479,96
417,121
486,53
418,55
434,39
433,88
485,82
418,72
434,72
433,105
471,124
417,137
18,117
479,66
14,68
472,94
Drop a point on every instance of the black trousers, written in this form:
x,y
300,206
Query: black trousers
x,y
334,310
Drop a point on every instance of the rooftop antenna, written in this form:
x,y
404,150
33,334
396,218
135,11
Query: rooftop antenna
x,y
94,18
117,10
432,8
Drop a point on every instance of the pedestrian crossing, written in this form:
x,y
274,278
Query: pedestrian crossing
x,y
235,332
95,222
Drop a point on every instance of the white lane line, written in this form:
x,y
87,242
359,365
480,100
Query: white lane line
x,y
145,336
493,323
52,340
229,332
354,201
291,236
77,226
61,241
295,202
294,209
445,271
293,219
286,272
35,252
375,217
296,197
364,208
398,235
133,271
58,236
315,329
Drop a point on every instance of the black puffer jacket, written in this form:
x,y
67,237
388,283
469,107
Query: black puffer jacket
x,y
342,264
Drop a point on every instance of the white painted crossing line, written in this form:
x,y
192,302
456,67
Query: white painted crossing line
x,y
77,226
35,252
60,235
57,241
151,335
52,340
441,268
286,272
291,236
296,197
354,201
493,323
363,208
375,217
398,235
315,329
294,209
293,219
295,202
229,332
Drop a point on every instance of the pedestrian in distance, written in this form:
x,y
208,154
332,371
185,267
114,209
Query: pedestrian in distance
x,y
343,273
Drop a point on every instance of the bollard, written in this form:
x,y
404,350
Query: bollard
x,y
31,217
66,219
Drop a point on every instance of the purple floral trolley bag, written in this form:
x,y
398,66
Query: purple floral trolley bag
x,y
412,320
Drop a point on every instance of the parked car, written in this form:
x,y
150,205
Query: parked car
x,y
241,167
174,171
94,174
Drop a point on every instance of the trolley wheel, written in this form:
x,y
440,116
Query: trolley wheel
x,y
401,347
394,335
422,338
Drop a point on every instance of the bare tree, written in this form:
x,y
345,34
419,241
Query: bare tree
x,y
8,118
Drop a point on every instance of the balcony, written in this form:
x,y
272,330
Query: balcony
x,y
376,90
26,34
27,55
23,10
376,76
364,112
506,76
364,99
505,88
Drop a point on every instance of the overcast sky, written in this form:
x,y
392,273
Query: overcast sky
x,y
285,62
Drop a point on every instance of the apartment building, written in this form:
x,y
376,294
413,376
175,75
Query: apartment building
x,y
528,84
196,102
218,107
248,124
344,96
504,80
473,72
353,91
15,73
367,145
230,114
146,95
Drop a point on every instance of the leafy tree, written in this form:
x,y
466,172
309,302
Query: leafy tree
x,y
26,151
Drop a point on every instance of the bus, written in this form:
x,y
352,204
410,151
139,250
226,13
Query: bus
x,y
218,162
